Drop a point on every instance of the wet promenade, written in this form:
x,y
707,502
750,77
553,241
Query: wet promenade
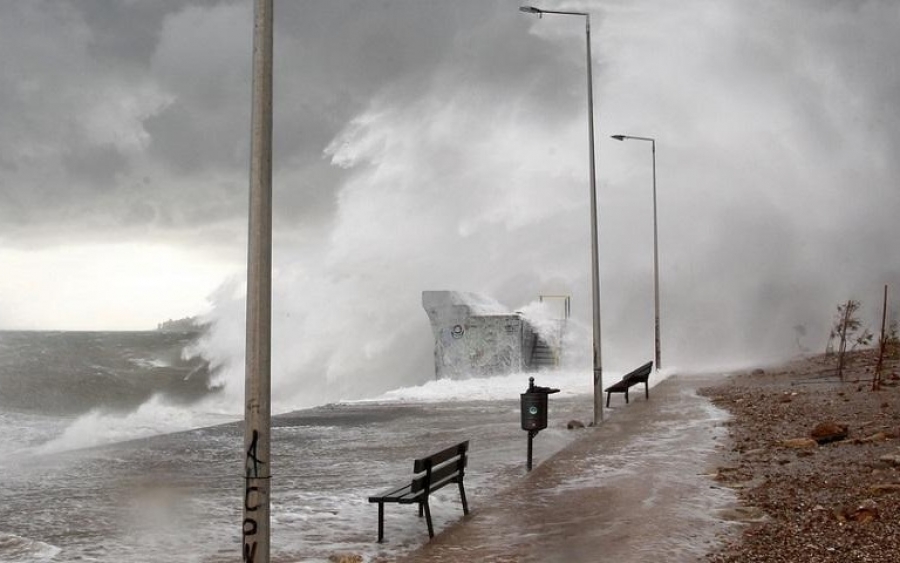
x,y
636,489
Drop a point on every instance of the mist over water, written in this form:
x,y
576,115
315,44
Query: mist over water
x,y
771,210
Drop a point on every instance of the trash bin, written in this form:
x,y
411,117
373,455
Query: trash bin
x,y
534,411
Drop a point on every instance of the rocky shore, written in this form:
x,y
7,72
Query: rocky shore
x,y
815,460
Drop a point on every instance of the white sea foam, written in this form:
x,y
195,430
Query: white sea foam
x,y
15,549
151,362
22,431
153,417
156,416
489,388
569,382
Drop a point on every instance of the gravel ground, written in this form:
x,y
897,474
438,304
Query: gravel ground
x,y
805,501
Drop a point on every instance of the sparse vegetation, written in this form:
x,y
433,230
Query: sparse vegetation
x,y
892,342
848,330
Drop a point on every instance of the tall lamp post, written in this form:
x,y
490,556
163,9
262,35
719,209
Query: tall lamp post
x,y
655,244
595,269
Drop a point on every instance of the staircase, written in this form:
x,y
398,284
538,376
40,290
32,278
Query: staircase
x,y
543,355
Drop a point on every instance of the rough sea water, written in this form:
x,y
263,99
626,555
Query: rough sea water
x,y
113,451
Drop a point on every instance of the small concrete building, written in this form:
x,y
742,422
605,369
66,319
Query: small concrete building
x,y
475,336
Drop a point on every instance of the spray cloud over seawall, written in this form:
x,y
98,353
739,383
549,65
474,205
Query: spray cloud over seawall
x,y
417,213
471,175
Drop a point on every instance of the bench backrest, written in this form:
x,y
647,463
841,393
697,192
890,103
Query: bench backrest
x,y
641,374
440,468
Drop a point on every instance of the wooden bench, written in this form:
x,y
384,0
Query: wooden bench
x,y
429,474
640,375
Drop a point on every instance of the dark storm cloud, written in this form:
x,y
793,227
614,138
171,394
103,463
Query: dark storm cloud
x,y
98,95
95,165
124,33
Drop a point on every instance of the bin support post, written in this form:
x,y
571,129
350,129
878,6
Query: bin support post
x,y
531,435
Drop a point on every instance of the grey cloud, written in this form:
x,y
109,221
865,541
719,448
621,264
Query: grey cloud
x,y
98,166
175,133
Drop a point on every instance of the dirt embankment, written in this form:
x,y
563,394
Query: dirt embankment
x,y
816,462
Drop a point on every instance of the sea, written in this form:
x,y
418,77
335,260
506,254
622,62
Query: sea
x,y
112,451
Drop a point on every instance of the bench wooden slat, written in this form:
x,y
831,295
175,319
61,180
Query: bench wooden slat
x,y
393,495
641,374
619,386
453,451
436,479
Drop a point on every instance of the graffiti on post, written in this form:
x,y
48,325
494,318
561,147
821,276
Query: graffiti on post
x,y
253,462
251,499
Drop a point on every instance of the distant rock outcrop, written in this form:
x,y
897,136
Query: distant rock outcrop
x,y
187,324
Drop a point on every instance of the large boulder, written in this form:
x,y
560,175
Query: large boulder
x,y
864,512
826,432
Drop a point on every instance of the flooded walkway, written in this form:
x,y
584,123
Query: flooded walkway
x,y
637,489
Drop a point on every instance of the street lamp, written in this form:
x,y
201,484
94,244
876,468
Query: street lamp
x,y
655,242
595,269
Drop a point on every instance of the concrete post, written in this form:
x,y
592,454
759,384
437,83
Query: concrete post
x,y
255,529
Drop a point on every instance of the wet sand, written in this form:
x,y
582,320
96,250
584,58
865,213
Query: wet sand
x,y
638,488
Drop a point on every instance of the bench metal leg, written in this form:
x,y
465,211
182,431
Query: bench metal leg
x,y
380,521
428,517
462,496
647,389
608,396
626,396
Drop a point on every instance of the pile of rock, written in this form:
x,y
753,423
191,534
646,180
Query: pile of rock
x,y
820,458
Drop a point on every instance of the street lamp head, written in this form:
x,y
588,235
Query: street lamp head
x,y
627,137
531,10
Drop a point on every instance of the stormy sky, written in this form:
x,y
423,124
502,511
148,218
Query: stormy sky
x,y
443,145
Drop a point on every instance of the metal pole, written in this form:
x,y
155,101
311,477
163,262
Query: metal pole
x,y
595,268
531,434
876,381
255,528
656,264
657,346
